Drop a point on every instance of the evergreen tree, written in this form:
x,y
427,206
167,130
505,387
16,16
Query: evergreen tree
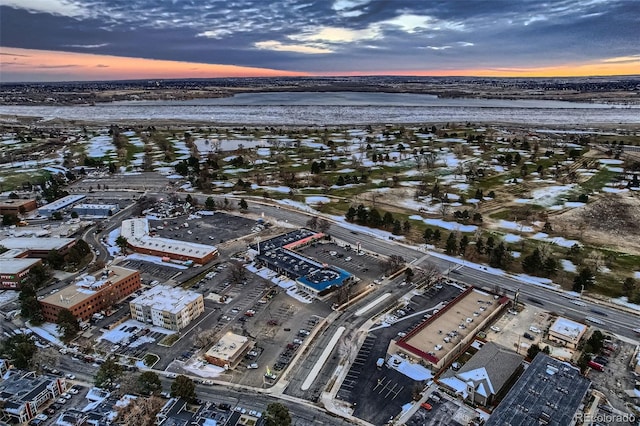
x,y
464,242
532,264
437,235
428,235
397,227
584,280
183,387
68,325
452,244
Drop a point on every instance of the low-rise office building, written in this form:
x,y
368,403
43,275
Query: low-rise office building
x,y
60,204
22,394
92,293
136,231
566,332
96,210
172,308
229,350
439,339
15,271
38,247
16,207
486,376
549,392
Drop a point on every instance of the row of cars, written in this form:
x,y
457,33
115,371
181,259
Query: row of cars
x,y
287,355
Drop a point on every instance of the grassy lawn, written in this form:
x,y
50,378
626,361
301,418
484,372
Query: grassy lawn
x,y
597,181
170,340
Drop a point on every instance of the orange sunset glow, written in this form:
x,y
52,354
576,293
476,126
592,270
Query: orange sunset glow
x,y
83,66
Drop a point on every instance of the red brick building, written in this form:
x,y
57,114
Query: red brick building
x,y
92,293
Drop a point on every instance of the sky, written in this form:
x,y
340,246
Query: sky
x,y
56,40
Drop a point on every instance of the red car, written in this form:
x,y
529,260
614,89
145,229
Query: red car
x,y
426,406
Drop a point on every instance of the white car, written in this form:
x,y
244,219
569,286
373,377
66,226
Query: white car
x,y
42,417
252,366
535,329
61,401
496,329
66,396
73,391
70,376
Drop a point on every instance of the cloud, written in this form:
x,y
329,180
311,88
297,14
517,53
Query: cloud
x,y
330,35
87,46
336,35
53,7
297,48
102,66
13,54
412,23
51,67
220,33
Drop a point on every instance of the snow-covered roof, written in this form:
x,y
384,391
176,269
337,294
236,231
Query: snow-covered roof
x,y
227,346
167,299
61,203
29,243
570,329
136,231
15,266
457,385
478,375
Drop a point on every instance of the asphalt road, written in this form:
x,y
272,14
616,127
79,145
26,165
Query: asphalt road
x,y
302,414
614,320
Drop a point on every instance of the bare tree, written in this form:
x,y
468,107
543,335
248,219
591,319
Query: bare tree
x,y
323,225
45,357
140,411
312,223
204,338
392,264
238,273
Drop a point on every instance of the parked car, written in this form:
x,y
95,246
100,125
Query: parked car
x,y
528,336
252,366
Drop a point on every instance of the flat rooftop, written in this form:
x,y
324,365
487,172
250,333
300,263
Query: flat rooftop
x,y
63,202
97,206
14,203
15,266
548,392
167,299
459,319
567,328
136,231
87,286
283,240
227,347
30,243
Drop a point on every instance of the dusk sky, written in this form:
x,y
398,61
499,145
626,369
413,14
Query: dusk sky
x,y
54,40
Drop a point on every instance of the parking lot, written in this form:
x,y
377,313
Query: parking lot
x,y
361,264
211,230
377,394
442,413
617,377
276,327
150,271
514,327
75,398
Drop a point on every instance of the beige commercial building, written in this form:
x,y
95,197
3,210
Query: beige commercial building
x,y
92,293
229,350
443,336
566,332
172,308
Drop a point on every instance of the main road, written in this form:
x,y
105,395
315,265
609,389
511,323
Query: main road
x,y
613,319
302,412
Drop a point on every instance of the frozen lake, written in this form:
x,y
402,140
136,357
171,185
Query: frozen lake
x,y
314,108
